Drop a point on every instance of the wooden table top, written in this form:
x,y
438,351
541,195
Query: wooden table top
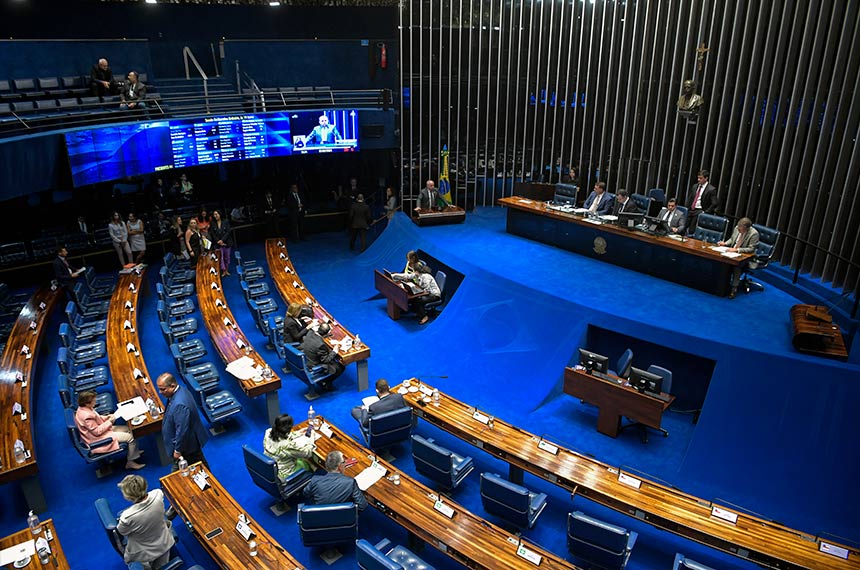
x,y
224,337
213,507
690,246
284,281
57,554
467,538
767,543
12,427
122,362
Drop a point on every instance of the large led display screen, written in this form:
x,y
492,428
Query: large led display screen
x,y
113,152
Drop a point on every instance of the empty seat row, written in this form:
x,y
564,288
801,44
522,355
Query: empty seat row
x,y
34,88
43,108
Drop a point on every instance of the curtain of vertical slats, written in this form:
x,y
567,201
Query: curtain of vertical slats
x,y
531,89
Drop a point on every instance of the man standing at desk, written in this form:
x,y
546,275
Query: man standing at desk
x,y
744,240
429,197
387,402
702,197
323,133
182,430
334,486
599,201
675,220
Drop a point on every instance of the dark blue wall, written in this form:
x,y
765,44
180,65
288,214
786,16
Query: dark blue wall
x,y
20,59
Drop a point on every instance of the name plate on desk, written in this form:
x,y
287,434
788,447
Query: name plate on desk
x,y
529,555
215,287
629,480
833,550
212,270
443,508
325,429
484,419
244,530
287,269
724,514
200,479
547,446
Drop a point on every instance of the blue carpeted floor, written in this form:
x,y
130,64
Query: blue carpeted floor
x,y
775,434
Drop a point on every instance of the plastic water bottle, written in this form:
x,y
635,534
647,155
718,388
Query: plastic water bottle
x,y
312,417
20,456
436,397
357,342
34,523
183,466
153,410
252,548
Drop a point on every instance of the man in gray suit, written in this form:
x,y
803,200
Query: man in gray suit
x,y
334,486
318,353
429,197
744,240
675,220
386,403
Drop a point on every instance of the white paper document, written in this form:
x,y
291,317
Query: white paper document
x,y
369,401
719,248
370,476
131,408
242,368
17,552
731,254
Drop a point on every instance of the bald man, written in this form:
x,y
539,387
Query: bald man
x,y
101,79
429,197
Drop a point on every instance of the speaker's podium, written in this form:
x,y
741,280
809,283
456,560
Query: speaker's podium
x,y
438,216
815,333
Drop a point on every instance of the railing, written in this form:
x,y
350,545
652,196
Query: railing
x,y
186,55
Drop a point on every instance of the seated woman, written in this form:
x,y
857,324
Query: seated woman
x,y
95,427
288,448
148,534
413,266
296,322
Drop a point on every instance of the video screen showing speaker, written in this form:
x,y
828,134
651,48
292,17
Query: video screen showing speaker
x,y
324,131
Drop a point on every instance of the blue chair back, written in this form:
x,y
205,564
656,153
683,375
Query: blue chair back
x,y
388,428
664,373
510,501
684,563
264,473
369,557
439,464
658,195
598,542
711,228
625,362
109,523
298,365
322,525
767,239
642,202
566,193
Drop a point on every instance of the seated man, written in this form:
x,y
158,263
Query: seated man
x,y
410,272
744,240
323,133
101,79
318,353
386,403
133,93
623,203
599,202
334,486
431,293
675,220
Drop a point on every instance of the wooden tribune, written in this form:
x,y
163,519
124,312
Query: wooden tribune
x,y
763,542
12,426
815,333
212,508
614,400
448,215
467,538
396,294
214,309
58,557
292,290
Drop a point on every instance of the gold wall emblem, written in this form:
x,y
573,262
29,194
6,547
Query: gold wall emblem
x,y
599,245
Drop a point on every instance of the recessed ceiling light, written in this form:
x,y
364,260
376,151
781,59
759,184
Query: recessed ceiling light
x,y
274,3
150,1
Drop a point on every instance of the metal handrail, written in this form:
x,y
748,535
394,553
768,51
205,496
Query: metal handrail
x,y
186,54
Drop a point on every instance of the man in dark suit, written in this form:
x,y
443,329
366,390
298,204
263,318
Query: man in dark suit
x,y
429,196
359,221
101,79
386,403
65,274
702,197
624,204
675,220
744,239
334,486
271,205
181,428
599,201
296,213
133,93
318,353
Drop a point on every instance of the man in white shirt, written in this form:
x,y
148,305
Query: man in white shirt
x,y
431,293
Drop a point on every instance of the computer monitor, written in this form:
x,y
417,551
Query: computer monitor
x,y
630,220
656,226
646,382
593,362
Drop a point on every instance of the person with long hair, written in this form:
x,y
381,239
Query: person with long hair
x,y
193,240
290,449
221,235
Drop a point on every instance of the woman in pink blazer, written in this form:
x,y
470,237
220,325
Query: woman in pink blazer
x,y
95,427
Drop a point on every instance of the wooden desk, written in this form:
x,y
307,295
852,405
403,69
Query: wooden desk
x,y
123,363
213,507
763,542
691,262
57,553
614,400
449,215
284,276
468,538
224,336
398,296
12,427
815,333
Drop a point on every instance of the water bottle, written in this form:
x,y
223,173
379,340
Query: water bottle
x,y
34,523
183,466
20,457
312,417
357,341
153,410
436,397
491,423
252,548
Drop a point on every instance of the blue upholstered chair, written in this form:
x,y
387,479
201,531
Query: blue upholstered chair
x,y
109,522
684,563
599,543
180,327
312,376
174,288
439,464
565,193
624,364
383,556
264,473
642,202
99,284
251,271
768,238
90,308
388,428
81,379
205,374
175,308
85,329
276,336
666,375
83,353
190,350
328,525
658,195
217,405
251,290
261,308
514,503
105,401
87,451
711,228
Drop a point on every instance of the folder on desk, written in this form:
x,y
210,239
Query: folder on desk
x,y
131,408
